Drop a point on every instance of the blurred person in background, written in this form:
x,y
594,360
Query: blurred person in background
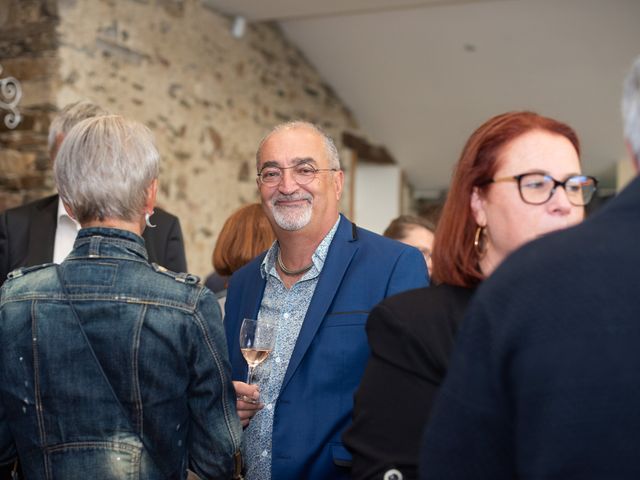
x,y
42,231
415,231
244,235
518,178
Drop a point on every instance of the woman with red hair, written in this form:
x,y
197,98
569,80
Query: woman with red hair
x,y
245,235
504,192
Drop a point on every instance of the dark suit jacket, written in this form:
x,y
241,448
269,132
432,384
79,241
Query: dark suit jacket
x,y
315,401
544,381
27,235
411,336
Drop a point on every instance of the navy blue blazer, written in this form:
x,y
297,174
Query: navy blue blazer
x,y
315,402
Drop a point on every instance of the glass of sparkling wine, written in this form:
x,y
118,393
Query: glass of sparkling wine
x,y
256,342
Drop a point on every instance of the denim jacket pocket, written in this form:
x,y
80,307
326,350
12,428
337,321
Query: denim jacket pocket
x,y
108,460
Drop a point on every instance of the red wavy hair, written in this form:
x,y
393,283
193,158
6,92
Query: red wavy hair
x,y
245,234
455,260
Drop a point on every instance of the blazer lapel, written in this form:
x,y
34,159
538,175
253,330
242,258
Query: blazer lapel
x,y
42,233
341,252
253,295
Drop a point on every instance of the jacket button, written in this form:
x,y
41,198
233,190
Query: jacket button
x,y
392,474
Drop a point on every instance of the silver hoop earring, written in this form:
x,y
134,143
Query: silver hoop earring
x,y
147,220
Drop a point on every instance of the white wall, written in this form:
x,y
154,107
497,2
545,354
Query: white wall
x,y
377,195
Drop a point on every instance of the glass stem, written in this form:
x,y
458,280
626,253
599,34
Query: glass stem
x,y
249,374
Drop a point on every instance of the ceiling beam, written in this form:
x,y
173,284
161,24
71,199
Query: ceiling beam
x,y
282,10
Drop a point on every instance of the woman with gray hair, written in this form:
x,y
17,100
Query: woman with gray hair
x,y
110,366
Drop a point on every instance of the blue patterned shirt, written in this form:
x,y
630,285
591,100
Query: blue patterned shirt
x,y
286,308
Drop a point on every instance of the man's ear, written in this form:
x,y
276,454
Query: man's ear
x,y
338,181
477,207
56,147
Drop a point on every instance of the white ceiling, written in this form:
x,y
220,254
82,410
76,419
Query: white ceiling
x,y
420,76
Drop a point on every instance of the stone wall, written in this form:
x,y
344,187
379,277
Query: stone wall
x,y
28,50
209,97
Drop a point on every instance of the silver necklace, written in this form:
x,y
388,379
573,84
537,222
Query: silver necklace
x,y
292,273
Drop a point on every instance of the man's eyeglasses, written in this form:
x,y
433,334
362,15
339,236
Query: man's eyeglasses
x,y
537,188
303,173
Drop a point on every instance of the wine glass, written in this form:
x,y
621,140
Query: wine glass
x,y
256,342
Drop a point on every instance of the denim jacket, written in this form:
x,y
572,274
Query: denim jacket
x,y
159,339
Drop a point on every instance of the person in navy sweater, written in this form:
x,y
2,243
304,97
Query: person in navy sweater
x,y
543,383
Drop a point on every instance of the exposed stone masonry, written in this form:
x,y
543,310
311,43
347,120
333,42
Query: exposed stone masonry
x,y
27,52
173,65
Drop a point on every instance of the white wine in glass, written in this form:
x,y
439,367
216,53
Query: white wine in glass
x,y
256,342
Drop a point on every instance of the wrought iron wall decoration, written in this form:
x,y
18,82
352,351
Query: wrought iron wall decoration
x,y
10,95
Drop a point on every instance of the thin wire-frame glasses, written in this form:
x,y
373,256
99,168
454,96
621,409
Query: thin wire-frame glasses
x,y
537,188
303,173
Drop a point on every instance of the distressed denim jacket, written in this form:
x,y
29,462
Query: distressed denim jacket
x,y
159,339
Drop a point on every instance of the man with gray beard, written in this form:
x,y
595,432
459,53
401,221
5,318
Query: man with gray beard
x,y
316,284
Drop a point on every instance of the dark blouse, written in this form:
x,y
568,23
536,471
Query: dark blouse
x,y
411,336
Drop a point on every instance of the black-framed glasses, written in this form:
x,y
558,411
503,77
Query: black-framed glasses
x,y
537,188
303,173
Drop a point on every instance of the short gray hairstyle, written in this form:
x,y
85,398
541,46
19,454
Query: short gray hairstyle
x,y
631,108
69,116
329,144
105,167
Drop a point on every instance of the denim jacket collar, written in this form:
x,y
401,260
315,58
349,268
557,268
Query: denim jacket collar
x,y
112,242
